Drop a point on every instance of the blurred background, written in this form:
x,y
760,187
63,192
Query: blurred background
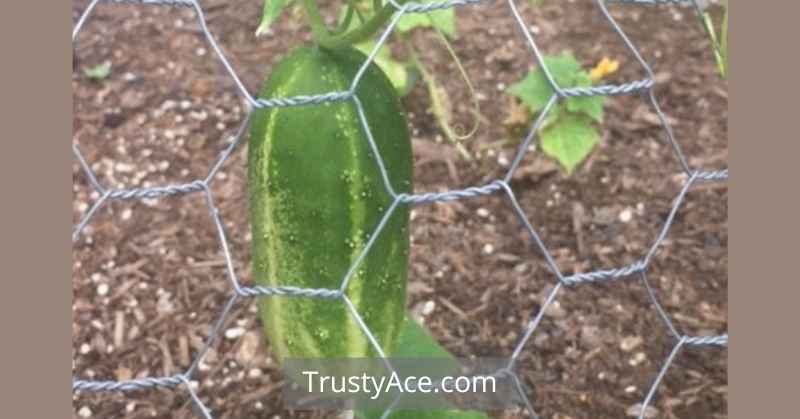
x,y
153,105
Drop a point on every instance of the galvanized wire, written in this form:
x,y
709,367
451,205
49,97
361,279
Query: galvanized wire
x,y
644,87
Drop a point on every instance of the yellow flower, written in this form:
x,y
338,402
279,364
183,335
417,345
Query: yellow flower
x,y
605,67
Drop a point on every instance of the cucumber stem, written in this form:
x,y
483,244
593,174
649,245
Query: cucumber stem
x,y
325,39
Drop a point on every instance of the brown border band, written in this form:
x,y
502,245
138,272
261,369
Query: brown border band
x,y
35,180
765,145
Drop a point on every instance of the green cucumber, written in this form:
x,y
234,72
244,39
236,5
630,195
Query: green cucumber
x,y
316,195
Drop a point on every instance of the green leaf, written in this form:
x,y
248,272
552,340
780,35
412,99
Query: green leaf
x,y
591,106
402,75
272,9
568,134
723,44
444,19
569,140
98,72
564,68
535,90
554,115
416,341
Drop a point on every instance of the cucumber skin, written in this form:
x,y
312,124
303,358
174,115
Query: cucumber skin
x,y
316,194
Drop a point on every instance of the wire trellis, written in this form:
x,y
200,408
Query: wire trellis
x,y
643,87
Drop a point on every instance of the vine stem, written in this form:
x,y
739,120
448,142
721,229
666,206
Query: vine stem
x,y
325,39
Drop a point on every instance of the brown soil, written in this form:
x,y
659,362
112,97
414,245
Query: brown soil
x,y
149,278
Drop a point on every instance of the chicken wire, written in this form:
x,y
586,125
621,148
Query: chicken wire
x,y
643,87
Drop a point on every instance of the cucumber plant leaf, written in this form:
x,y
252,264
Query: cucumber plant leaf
x,y
98,72
416,341
570,140
568,133
401,74
444,19
535,90
272,9
591,106
564,68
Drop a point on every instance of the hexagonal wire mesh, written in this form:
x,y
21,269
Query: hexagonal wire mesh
x,y
644,87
